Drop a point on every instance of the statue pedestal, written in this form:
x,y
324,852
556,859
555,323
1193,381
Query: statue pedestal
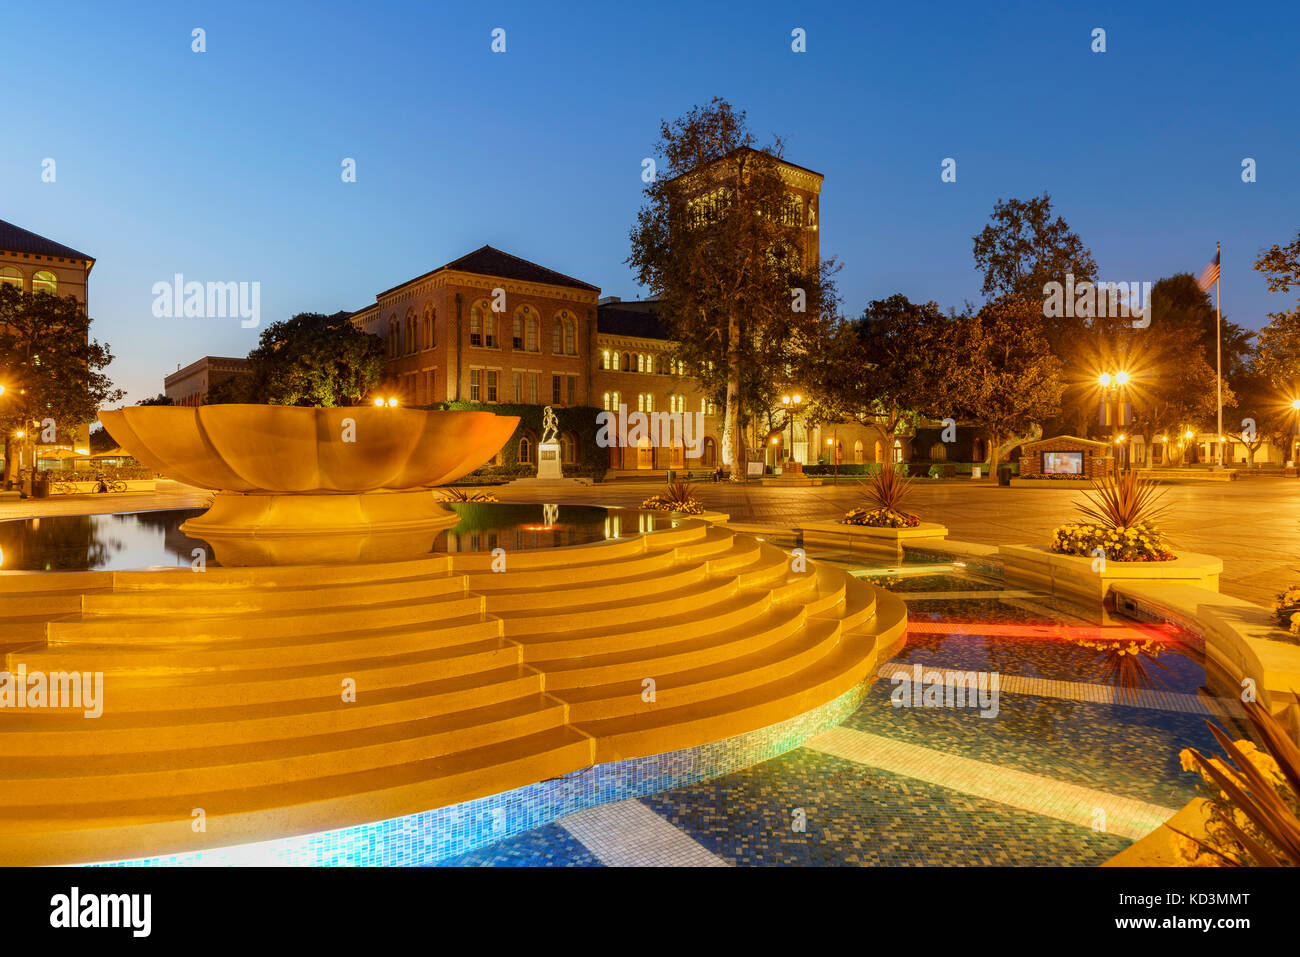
x,y
548,462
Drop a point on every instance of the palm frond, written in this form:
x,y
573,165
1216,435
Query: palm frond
x,y
1124,500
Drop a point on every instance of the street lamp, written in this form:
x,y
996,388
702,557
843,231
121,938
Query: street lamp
x,y
791,403
1295,432
1116,382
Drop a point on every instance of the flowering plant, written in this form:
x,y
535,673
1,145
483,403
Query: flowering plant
x,y
880,518
676,497
1286,609
1252,815
1142,542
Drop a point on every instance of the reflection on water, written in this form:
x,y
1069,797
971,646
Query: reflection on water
x,y
145,539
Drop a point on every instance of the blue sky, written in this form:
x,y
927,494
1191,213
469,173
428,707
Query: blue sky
x,y
225,165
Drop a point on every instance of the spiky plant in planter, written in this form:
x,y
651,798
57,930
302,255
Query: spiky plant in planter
x,y
885,493
1124,510
1253,813
461,495
676,497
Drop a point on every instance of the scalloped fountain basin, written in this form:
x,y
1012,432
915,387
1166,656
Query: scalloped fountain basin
x,y
325,485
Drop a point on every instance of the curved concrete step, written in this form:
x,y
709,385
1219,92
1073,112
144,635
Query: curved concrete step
x,y
123,777
27,733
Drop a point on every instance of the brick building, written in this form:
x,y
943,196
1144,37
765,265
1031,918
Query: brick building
x,y
190,385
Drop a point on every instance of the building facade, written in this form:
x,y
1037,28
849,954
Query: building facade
x,y
190,385
488,327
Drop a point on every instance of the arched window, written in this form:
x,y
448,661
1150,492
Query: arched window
x,y
392,337
710,451
10,276
898,451
570,336
412,332
476,324
45,281
490,329
615,365
857,453
569,448
617,401
604,359
429,316
880,453
607,406
557,336
517,334
526,450
640,362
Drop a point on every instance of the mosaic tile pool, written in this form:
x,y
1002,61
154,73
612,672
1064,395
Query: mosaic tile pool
x,y
1080,735
1051,741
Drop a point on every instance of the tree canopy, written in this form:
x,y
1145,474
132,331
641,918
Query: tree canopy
x,y
717,244
49,365
310,359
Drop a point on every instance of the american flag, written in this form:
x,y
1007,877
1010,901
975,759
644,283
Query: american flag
x,y
1210,275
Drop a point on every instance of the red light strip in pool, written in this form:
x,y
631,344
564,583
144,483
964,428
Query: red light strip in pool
x,y
1160,633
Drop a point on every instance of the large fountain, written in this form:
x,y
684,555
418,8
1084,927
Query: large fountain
x,y
310,486
335,689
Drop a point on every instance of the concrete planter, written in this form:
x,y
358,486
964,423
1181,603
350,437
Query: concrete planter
x,y
1061,485
884,543
1072,576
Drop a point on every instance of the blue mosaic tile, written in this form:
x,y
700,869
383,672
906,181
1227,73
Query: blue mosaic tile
x,y
855,816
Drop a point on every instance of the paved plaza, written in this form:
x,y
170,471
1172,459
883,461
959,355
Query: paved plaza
x,y
1250,524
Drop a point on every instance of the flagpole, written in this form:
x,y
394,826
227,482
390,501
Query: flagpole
x,y
1218,348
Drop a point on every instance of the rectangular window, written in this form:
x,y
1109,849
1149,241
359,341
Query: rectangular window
x,y
555,390
491,386
473,385
573,390
532,388
519,387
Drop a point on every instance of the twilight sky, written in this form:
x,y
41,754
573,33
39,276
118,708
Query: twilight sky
x,y
225,165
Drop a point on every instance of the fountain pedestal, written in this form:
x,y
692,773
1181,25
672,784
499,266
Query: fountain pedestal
x,y
265,528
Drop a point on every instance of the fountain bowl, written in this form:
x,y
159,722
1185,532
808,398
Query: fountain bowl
x,y
336,485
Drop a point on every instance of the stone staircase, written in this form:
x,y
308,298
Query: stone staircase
x,y
225,691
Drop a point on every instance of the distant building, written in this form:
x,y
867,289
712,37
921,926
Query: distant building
x,y
190,386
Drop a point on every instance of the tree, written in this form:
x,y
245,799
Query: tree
x,y
158,399
1023,249
1277,356
49,366
717,241
1178,303
1281,265
885,369
1259,416
311,359
1003,375
1171,382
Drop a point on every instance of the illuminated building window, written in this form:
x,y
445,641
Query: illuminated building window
x,y
474,376
10,276
45,281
